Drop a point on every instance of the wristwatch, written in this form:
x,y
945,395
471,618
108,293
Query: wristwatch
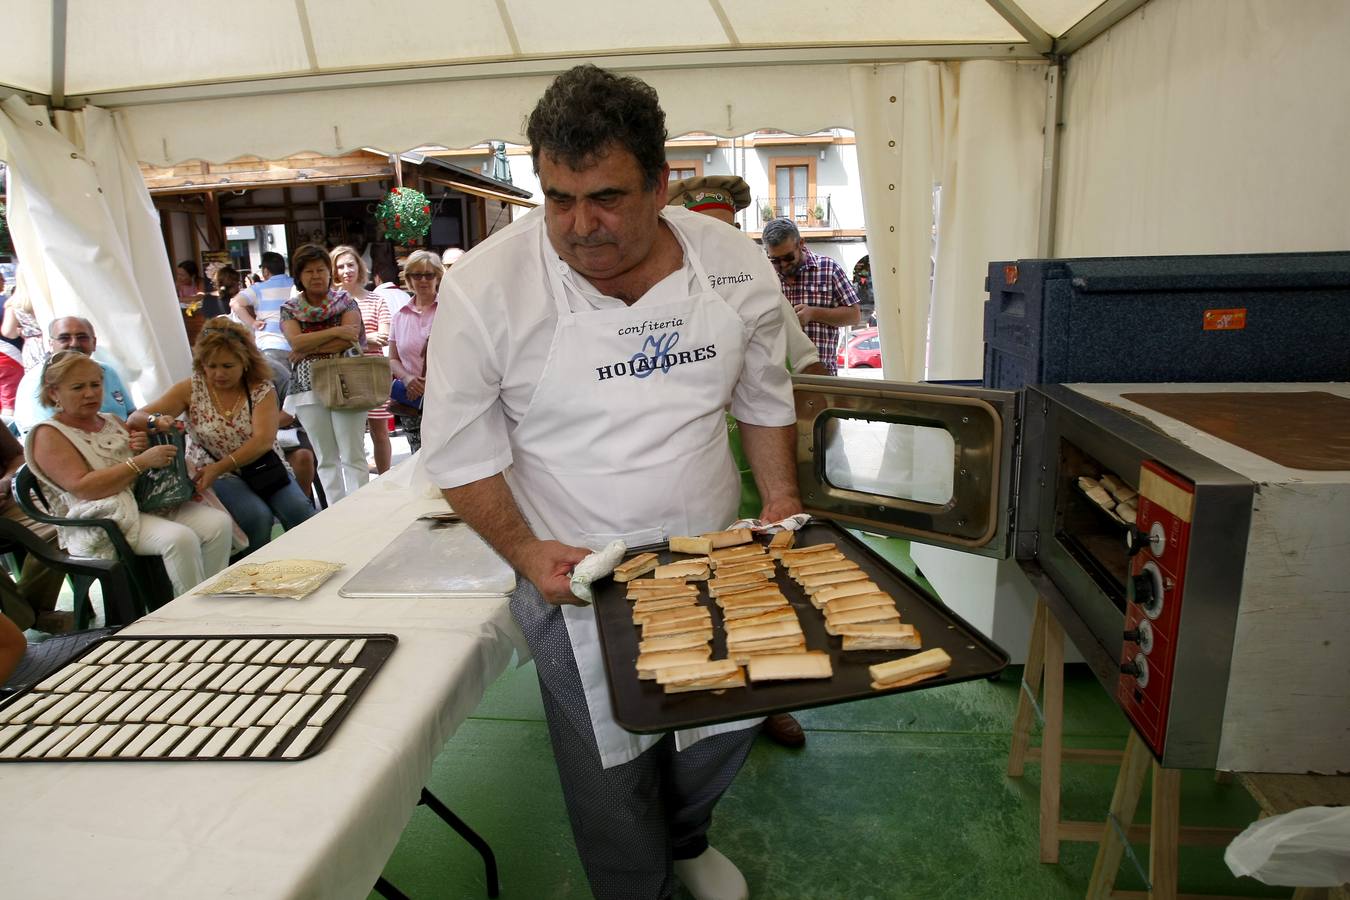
x,y
151,419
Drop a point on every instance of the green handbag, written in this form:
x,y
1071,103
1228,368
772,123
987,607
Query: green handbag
x,y
158,489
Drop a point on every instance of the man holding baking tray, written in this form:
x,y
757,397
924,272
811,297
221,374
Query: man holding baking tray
x,y
576,385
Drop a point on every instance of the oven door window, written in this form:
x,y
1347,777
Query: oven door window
x,y
929,463
890,459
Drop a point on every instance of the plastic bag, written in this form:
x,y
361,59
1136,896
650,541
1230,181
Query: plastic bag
x,y
167,487
1308,847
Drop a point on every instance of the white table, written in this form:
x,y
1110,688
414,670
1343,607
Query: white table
x,y
323,827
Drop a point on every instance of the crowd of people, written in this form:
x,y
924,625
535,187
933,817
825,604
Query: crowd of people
x,y
246,433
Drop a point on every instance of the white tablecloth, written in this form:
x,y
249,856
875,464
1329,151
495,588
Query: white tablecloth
x,y
323,827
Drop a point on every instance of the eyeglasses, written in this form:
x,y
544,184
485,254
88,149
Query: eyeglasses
x,y
420,275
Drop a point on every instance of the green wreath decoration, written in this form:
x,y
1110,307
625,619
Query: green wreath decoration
x,y
405,215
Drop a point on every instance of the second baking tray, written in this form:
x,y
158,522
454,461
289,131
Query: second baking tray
x,y
643,707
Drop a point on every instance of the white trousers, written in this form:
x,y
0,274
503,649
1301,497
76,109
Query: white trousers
x,y
339,439
193,540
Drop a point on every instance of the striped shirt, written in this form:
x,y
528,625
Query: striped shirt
x,y
820,282
266,299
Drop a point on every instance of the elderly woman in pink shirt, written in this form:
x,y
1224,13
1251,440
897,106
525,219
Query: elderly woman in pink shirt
x,y
409,332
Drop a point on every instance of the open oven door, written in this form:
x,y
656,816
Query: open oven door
x,y
930,463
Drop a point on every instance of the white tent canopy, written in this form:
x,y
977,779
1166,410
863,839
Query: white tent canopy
x,y
951,92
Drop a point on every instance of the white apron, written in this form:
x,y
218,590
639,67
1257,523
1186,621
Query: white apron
x,y
625,437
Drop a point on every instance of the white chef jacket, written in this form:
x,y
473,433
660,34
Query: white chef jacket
x,y
496,323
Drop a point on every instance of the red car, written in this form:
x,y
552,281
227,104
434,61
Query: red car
x,y
861,351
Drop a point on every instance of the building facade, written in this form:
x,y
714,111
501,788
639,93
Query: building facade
x,y
811,178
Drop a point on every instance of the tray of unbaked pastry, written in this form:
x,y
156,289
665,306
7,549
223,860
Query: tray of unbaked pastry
x,y
733,625
163,698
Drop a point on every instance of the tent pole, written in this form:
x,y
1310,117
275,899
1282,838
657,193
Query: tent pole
x,y
58,97
1036,36
1054,101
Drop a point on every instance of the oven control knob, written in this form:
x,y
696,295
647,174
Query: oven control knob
x,y
1148,589
1137,668
1135,540
1157,539
1142,635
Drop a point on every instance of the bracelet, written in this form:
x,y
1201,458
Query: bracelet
x,y
131,463
233,460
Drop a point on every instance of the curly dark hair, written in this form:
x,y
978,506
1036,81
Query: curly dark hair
x,y
587,108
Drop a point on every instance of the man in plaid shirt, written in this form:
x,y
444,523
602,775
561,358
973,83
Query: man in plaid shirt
x,y
816,286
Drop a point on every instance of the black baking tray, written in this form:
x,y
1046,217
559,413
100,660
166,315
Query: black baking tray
x,y
377,649
642,707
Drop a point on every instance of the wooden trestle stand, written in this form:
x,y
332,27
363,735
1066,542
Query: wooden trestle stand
x,y
1044,673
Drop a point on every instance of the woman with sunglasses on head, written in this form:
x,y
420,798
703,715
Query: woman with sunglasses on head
x,y
232,413
349,270
408,336
320,322
89,462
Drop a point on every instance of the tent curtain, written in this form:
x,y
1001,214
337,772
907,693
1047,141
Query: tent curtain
x,y
88,240
1209,126
974,129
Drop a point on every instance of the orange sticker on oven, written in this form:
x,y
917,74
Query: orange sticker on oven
x,y
1225,319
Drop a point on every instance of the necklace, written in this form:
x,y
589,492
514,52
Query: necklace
x,y
220,407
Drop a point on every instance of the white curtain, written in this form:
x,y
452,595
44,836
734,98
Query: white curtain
x,y
88,241
973,128
1209,126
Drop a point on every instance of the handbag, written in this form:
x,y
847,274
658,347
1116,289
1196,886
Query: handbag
x,y
351,382
399,394
265,475
167,487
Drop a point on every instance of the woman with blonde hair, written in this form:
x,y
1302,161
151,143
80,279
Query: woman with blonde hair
x,y
89,461
349,270
232,412
408,336
321,321
21,322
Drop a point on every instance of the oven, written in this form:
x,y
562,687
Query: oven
x,y
1193,539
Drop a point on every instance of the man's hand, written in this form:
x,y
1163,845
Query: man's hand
x,y
415,387
805,313
780,509
259,325
548,565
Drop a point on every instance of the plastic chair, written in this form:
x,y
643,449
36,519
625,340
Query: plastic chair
x,y
120,603
149,581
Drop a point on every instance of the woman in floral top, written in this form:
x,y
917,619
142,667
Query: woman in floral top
x,y
322,322
232,414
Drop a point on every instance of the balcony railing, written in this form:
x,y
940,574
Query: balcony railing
x,y
807,212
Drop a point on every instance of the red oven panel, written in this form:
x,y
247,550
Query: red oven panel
x,y
1154,611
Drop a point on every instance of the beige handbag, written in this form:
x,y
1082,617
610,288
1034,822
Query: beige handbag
x,y
351,382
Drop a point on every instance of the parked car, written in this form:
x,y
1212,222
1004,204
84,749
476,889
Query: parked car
x,y
861,351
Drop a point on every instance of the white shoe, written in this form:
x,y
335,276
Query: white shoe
x,y
711,876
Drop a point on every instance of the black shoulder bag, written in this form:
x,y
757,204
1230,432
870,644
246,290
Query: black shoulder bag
x,y
265,475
